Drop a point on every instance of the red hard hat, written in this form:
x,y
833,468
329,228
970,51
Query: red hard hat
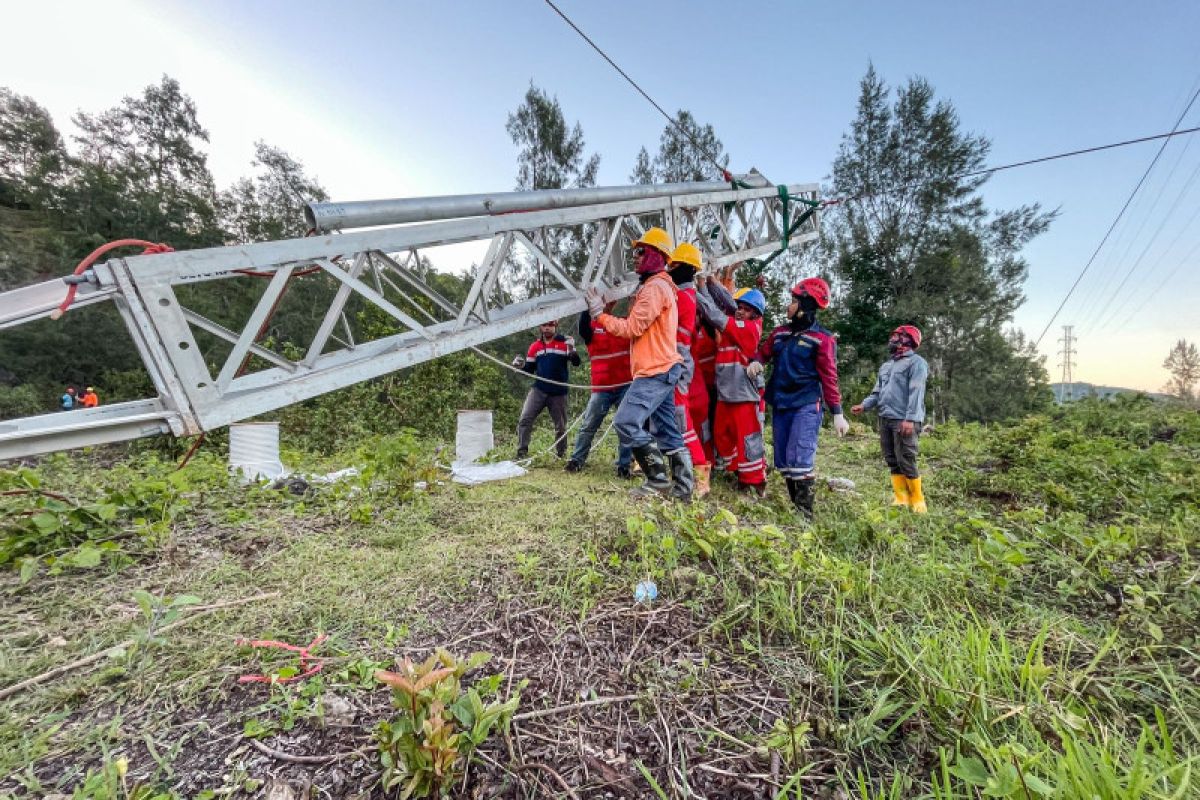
x,y
815,288
913,332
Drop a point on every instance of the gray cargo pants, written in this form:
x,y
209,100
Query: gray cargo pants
x,y
899,451
535,401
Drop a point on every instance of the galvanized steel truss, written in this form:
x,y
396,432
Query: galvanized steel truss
x,y
376,268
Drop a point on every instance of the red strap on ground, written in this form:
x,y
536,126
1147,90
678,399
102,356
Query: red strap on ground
x,y
151,248
309,664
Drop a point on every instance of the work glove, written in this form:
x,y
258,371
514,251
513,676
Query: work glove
x,y
595,302
840,426
571,342
519,362
754,369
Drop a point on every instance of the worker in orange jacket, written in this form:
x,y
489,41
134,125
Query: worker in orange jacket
x,y
656,366
90,399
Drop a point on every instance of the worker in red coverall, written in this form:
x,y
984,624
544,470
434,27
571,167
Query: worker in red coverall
x,y
683,266
803,359
737,428
611,376
702,395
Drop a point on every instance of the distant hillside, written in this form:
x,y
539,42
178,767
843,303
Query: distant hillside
x,y
1078,391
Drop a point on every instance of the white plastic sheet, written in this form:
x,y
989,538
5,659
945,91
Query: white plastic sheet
x,y
473,474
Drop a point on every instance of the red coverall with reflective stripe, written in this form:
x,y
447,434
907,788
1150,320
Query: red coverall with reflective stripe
x,y
702,394
684,336
738,427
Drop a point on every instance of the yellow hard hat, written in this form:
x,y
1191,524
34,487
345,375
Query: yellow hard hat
x,y
657,238
687,253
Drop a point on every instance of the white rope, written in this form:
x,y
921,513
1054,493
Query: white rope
x,y
554,444
589,387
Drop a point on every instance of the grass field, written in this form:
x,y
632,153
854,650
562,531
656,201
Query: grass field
x,y
1035,635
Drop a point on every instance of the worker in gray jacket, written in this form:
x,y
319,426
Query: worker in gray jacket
x,y
899,396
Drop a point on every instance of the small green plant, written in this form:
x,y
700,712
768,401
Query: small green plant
x,y
110,783
158,612
288,705
428,745
789,740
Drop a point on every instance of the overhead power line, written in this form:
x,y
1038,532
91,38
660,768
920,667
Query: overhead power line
x,y
975,173
671,120
1098,317
990,170
1166,140
1165,137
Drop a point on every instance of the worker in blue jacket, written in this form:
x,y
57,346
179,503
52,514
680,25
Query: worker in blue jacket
x,y
548,358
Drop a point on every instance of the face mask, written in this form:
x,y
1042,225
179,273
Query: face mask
x,y
806,315
651,262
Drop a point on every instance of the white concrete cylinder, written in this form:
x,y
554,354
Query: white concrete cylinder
x,y
473,438
254,450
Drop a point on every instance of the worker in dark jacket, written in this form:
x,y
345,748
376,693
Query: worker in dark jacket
x,y
611,376
804,380
549,358
899,396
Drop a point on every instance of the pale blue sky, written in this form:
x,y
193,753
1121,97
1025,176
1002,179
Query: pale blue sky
x,y
394,99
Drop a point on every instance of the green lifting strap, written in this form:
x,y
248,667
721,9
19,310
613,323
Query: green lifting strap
x,y
785,200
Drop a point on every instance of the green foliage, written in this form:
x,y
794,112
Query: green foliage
x,y
49,528
110,782
687,151
925,250
426,747
139,171
550,155
23,401
1183,362
551,152
268,207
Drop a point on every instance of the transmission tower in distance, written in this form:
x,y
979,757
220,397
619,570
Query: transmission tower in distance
x,y
1066,387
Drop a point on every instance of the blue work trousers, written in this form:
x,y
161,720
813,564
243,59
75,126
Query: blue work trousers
x,y
650,399
593,418
796,432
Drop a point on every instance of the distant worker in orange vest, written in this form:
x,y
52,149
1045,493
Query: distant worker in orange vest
x,y
90,400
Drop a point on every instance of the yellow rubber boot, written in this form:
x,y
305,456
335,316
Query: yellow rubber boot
x,y
703,486
899,490
916,495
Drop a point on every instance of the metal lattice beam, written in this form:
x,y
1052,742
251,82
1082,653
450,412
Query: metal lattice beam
x,y
370,268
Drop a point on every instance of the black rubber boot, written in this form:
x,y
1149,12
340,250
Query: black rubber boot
x,y
573,466
803,498
791,488
654,468
683,478
624,473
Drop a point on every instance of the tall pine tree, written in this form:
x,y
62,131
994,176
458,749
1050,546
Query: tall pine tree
x,y
916,244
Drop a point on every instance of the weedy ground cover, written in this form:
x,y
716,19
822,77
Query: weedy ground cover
x,y
1035,635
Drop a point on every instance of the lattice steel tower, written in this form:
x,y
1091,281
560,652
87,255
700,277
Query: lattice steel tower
x,y
1066,387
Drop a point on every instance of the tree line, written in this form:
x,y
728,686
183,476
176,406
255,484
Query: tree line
x,y
918,245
